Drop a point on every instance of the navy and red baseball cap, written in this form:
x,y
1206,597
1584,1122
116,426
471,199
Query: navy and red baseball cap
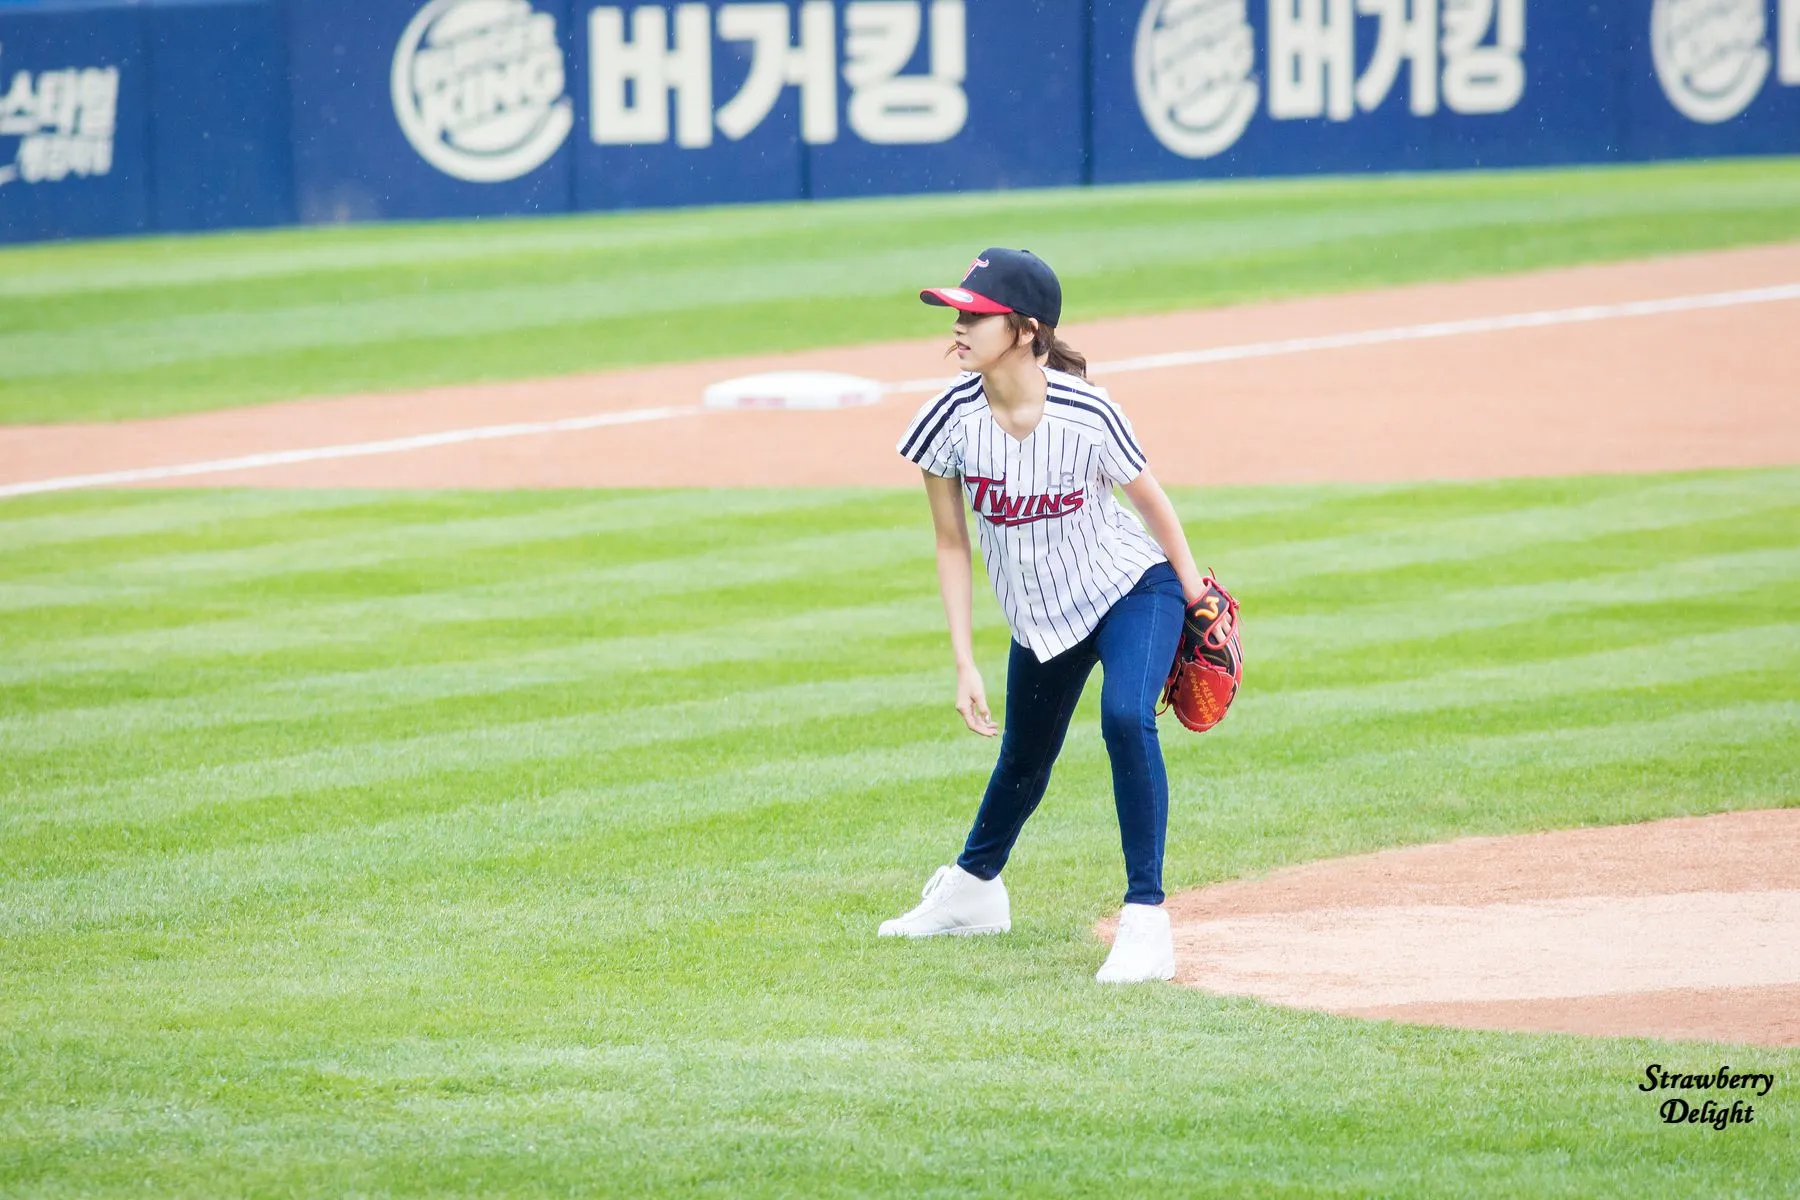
x,y
1001,280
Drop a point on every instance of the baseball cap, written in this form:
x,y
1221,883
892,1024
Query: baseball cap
x,y
1001,280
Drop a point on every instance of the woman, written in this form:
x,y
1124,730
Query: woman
x,y
1036,451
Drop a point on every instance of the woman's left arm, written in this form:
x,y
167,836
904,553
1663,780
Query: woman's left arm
x,y
1152,504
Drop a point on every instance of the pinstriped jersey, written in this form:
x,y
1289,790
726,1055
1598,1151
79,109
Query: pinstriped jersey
x,y
1059,547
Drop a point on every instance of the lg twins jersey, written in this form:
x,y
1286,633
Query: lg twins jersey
x,y
1060,549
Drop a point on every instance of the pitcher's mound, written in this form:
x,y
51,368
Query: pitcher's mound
x,y
1685,928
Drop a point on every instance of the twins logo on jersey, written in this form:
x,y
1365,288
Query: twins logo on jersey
x,y
994,506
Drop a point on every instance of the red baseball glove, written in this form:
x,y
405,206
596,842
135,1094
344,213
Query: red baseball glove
x,y
1209,664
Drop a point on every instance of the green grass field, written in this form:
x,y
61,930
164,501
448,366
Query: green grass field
x,y
136,328
534,843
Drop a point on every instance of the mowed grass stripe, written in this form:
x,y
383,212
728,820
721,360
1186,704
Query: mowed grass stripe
x,y
119,562
1666,507
731,578
1557,670
1533,643
1366,624
532,577
1363,627
1430,617
375,759
165,814
116,517
372,531
1251,802
375,853
258,803
164,341
173,881
1651,502
1339,648
547,587
369,858
142,788
1659,504
333,530
683,248
1246,209
196,747
237,644
535,739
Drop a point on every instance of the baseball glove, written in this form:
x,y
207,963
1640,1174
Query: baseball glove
x,y
1209,664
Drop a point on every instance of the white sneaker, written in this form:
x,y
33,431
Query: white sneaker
x,y
955,901
1143,948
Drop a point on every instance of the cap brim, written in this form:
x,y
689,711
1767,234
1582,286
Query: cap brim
x,y
962,299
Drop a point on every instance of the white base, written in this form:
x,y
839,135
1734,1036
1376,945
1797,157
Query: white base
x,y
810,390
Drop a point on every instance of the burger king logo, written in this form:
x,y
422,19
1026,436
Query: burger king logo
x,y
478,88
1711,56
1192,65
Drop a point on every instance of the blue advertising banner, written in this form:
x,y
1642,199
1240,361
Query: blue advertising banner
x,y
435,109
74,122
1566,107
948,96
221,150
1197,88
118,116
1190,88
726,102
697,103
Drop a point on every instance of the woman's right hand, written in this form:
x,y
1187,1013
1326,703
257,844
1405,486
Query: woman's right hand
x,y
971,702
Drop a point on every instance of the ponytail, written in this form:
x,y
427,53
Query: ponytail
x,y
1064,357
1045,344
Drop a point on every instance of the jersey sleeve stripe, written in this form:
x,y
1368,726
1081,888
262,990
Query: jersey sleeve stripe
x,y
1106,412
936,416
1109,411
1132,453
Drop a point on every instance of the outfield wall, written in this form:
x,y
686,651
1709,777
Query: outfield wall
x,y
129,116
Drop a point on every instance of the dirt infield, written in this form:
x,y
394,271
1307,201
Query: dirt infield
x,y
1681,929
1697,388
1684,928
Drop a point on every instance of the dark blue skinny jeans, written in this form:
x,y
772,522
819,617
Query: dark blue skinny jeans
x,y
1135,645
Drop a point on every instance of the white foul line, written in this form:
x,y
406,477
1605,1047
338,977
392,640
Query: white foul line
x,y
1444,329
1149,362
1420,333
276,458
